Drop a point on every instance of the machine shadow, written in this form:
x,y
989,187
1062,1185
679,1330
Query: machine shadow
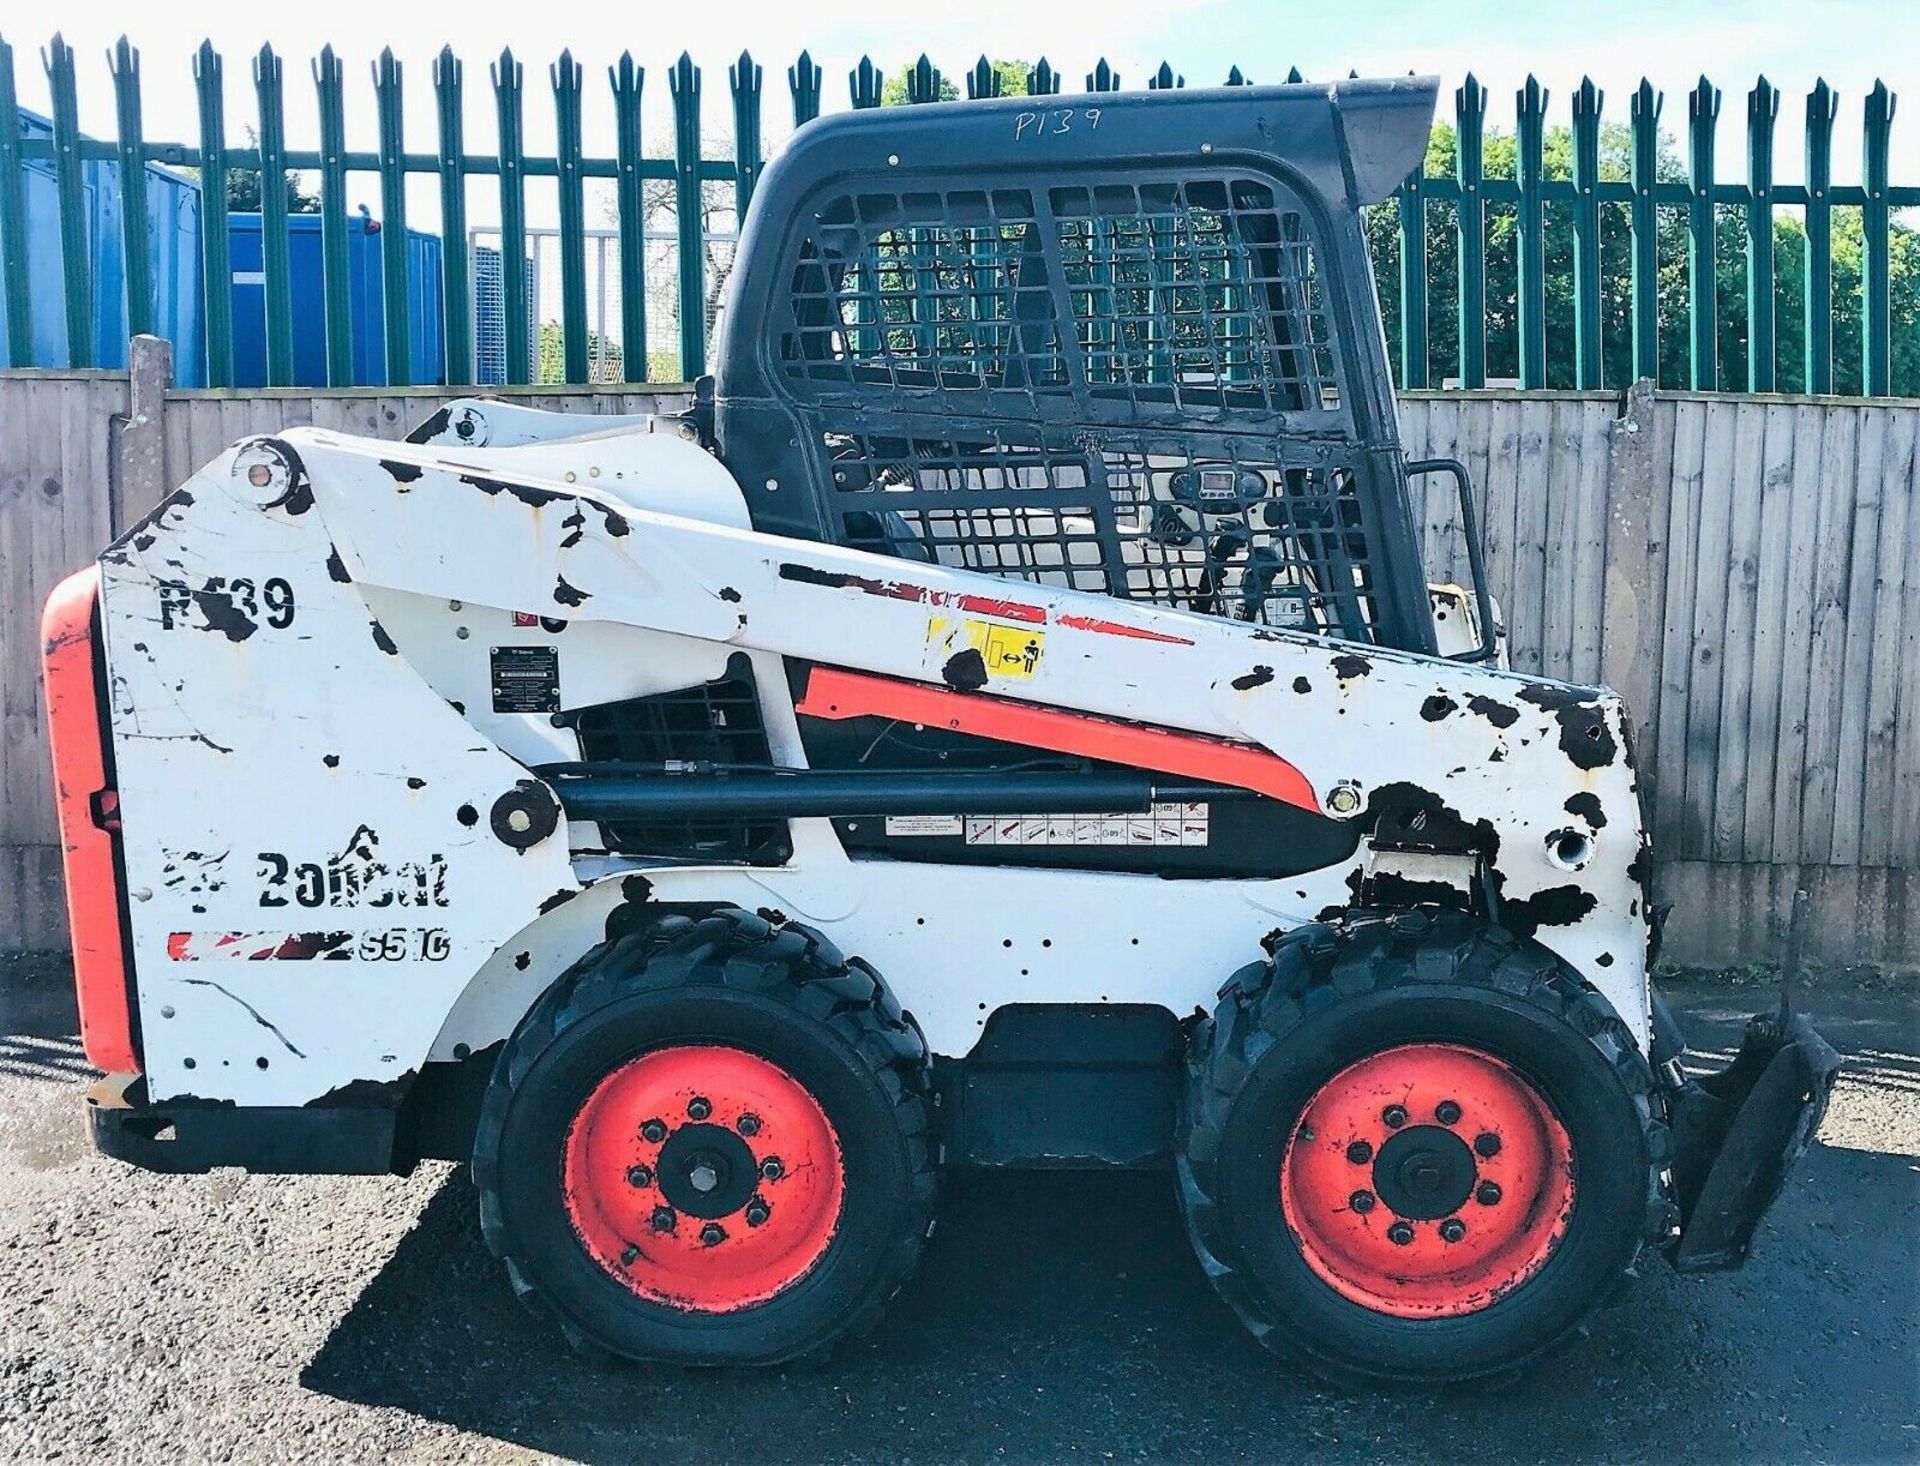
x,y
1052,1314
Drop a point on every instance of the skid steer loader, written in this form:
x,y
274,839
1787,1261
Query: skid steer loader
x,y
1003,723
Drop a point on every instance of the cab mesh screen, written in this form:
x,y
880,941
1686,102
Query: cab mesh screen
x,y
1123,386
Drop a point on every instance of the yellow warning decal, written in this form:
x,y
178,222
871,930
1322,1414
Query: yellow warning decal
x,y
1009,652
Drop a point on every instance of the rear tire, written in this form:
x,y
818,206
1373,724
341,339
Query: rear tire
x,y
708,1144
1349,1085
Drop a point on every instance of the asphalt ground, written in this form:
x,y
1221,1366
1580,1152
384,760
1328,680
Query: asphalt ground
x,y
1054,1317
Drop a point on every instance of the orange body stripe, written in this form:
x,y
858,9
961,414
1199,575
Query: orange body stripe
x,y
832,693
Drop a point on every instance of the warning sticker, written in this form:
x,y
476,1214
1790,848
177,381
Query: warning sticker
x,y
1010,652
923,824
1164,824
526,679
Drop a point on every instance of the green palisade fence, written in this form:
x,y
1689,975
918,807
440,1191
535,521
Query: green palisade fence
x,y
1546,231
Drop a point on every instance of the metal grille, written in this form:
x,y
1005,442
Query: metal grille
x,y
1227,531
715,723
1159,364
926,291
1178,295
1200,294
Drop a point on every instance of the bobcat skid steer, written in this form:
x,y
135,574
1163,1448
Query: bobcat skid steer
x,y
1004,723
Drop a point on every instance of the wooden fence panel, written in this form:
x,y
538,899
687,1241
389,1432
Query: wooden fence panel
x,y
1765,565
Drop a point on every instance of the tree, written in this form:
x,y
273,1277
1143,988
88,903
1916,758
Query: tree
x,y
243,188
604,357
1012,74
1616,300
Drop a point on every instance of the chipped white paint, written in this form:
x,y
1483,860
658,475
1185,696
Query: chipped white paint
x,y
300,672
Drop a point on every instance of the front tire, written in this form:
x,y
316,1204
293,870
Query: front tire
x,y
709,1143
1416,1148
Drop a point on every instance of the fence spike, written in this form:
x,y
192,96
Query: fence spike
x,y
1876,274
1531,101
123,62
1763,107
1043,80
76,262
1703,110
1470,116
456,304
627,80
268,78
217,305
803,80
866,81
1587,345
1293,76
983,81
394,263
576,346
683,85
15,282
1165,79
743,81
515,318
1236,78
923,81
336,310
1643,174
1103,78
1823,106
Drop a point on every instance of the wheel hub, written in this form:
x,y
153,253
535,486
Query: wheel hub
x,y
706,1171
702,1177
1427,1180
1424,1173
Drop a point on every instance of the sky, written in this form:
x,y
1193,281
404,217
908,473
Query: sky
x,y
1793,42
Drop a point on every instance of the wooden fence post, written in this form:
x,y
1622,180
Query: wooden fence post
x,y
1631,620
140,471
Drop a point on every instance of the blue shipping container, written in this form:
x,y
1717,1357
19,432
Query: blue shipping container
x,y
173,254
366,292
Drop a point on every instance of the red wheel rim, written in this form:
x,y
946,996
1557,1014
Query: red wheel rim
x,y
703,1177
1427,1181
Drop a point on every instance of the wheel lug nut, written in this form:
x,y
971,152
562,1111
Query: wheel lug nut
x,y
639,1176
628,1254
1400,1233
713,1234
1395,1116
1452,1229
663,1219
698,1108
748,1124
1359,1152
772,1169
1447,1112
1487,1194
1361,1201
654,1131
757,1212
1486,1143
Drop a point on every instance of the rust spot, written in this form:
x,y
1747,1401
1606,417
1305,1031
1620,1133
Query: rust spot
x,y
568,595
1259,677
1437,707
1347,667
1302,686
